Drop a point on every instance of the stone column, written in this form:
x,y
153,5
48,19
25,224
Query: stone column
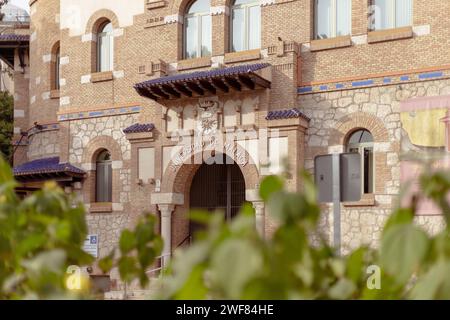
x,y
259,217
166,231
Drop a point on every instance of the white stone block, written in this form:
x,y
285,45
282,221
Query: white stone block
x,y
18,113
116,164
88,37
86,78
358,40
33,36
16,130
422,30
88,166
38,80
117,207
62,82
64,101
32,99
47,58
64,60
118,74
118,32
46,95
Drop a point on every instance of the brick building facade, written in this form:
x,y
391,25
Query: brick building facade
x,y
288,96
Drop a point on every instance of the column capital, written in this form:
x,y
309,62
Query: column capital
x,y
258,206
166,209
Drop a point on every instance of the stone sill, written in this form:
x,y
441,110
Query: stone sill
x,y
180,133
102,76
390,34
98,207
331,43
240,56
152,4
140,136
54,94
367,200
194,63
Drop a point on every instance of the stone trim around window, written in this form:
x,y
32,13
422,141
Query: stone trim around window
x,y
331,43
54,94
194,63
102,76
98,207
390,34
367,200
240,56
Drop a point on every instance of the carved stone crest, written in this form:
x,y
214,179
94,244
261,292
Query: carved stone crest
x,y
207,120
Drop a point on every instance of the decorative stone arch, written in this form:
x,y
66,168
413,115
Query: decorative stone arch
x,y
179,180
349,124
360,120
96,145
90,154
98,18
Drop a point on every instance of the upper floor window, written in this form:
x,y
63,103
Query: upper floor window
x,y
103,177
361,141
105,47
388,14
332,18
55,69
245,25
197,30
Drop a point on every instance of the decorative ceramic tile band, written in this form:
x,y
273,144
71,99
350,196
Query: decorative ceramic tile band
x,y
98,113
378,81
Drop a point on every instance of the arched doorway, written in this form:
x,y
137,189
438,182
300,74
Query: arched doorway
x,y
217,186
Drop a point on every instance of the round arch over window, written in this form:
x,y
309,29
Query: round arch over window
x,y
105,47
361,141
197,30
103,177
245,25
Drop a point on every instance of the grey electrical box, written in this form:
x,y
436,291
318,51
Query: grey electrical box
x,y
323,177
351,181
350,184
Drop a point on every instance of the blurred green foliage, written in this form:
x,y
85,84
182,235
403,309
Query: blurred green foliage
x,y
231,261
43,234
6,123
40,237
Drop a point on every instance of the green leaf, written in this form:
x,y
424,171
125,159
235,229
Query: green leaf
x,y
234,264
127,241
342,289
435,284
403,248
270,185
105,264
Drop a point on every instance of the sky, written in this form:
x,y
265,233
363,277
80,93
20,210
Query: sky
x,y
21,3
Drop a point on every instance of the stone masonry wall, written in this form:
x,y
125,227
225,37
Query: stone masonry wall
x,y
362,224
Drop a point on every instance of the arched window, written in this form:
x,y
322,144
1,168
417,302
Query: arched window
x,y
197,30
105,47
361,141
56,79
245,25
103,176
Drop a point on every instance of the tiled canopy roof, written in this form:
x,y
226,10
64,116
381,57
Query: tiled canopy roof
x,y
14,37
286,114
204,82
46,166
138,127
